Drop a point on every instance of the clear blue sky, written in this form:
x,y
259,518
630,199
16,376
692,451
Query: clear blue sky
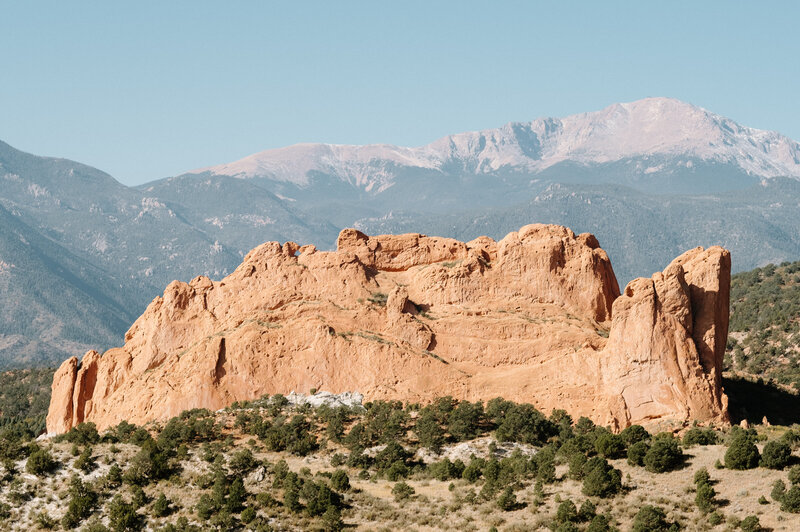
x,y
150,89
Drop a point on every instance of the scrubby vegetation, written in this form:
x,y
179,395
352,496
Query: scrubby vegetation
x,y
268,465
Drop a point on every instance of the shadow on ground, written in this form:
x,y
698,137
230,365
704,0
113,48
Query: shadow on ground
x,y
753,401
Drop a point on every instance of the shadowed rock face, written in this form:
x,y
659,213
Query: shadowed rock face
x,y
535,317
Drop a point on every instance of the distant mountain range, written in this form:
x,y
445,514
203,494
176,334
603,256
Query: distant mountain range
x,y
656,144
81,255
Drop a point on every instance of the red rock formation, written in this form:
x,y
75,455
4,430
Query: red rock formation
x,y
414,317
670,331
59,415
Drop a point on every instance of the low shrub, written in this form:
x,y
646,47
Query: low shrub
x,y
778,491
82,501
790,502
609,445
600,478
704,498
750,524
567,512
161,508
699,436
122,515
634,434
701,476
776,455
637,452
507,501
742,453
402,491
652,519
340,481
600,523
40,462
664,455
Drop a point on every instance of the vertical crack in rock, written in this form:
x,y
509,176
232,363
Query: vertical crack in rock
x,y
219,367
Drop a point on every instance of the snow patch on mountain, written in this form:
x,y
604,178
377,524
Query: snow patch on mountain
x,y
37,191
367,167
252,220
100,243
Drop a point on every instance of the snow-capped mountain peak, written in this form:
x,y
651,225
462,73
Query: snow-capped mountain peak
x,y
661,127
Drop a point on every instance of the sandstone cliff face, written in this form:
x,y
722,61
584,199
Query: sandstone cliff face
x,y
535,317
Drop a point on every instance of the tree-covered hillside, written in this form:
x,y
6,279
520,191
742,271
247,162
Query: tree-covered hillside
x,y
764,339
24,398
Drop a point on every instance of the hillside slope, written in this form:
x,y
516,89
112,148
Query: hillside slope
x,y
54,303
765,323
322,462
83,255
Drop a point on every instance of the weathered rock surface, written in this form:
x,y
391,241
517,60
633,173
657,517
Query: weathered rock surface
x,y
535,317
669,332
